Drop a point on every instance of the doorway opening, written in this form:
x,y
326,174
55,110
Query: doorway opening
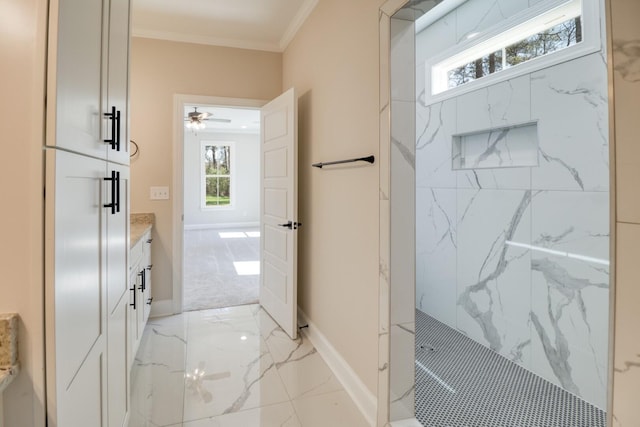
x,y
221,206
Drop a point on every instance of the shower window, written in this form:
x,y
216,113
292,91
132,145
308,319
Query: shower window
x,y
541,36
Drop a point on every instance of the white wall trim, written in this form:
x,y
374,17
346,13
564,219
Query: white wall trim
x,y
206,40
296,23
409,422
179,102
161,308
225,225
353,385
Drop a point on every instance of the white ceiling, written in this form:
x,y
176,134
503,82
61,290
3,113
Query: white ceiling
x,y
250,24
243,120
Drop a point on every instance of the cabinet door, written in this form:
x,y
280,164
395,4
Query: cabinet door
x,y
142,306
118,79
75,292
84,399
75,69
117,284
146,264
117,365
132,316
117,217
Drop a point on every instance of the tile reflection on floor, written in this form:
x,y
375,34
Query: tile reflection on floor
x,y
233,367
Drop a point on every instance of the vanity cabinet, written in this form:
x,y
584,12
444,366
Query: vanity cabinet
x,y
139,292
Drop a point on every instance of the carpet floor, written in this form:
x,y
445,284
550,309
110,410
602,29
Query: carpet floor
x,y
221,268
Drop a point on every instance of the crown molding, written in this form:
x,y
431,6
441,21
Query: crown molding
x,y
292,29
297,22
206,40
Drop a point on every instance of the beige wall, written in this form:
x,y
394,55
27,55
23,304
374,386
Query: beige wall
x,y
333,63
159,70
22,67
626,80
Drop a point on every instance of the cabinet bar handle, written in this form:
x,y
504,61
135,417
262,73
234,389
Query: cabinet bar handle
x,y
150,240
149,301
117,139
149,267
134,297
114,177
143,275
112,116
117,176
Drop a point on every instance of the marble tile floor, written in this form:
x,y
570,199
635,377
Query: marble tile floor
x,y
215,267
233,367
460,383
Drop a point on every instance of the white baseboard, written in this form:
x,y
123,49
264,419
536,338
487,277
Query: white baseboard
x,y
221,226
409,422
161,308
353,385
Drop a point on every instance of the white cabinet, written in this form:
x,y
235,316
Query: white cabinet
x,y
117,90
87,214
118,397
88,77
74,76
146,267
117,277
139,292
76,341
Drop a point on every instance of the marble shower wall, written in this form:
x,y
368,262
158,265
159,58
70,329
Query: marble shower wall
x,y
626,84
517,257
402,208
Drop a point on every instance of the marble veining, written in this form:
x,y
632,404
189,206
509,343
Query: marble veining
x,y
408,156
485,318
627,59
233,367
629,365
414,9
572,171
517,257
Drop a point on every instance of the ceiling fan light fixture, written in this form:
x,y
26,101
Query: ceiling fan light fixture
x,y
195,124
195,120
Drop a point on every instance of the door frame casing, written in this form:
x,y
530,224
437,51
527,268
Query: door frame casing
x,y
177,173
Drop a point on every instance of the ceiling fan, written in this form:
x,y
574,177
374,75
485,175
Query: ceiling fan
x,y
195,119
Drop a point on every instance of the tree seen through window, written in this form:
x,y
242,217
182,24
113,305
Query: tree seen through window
x,y
217,175
561,36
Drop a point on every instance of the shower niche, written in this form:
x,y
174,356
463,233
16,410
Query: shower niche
x,y
503,147
499,126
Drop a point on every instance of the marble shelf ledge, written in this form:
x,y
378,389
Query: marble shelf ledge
x,y
139,224
9,367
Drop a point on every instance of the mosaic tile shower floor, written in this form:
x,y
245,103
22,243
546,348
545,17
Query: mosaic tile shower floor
x,y
461,383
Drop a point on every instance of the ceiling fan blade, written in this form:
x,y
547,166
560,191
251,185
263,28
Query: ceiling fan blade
x,y
219,120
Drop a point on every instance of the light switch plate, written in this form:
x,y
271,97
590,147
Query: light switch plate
x,y
159,193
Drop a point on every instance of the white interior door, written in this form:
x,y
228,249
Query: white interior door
x,y
279,210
